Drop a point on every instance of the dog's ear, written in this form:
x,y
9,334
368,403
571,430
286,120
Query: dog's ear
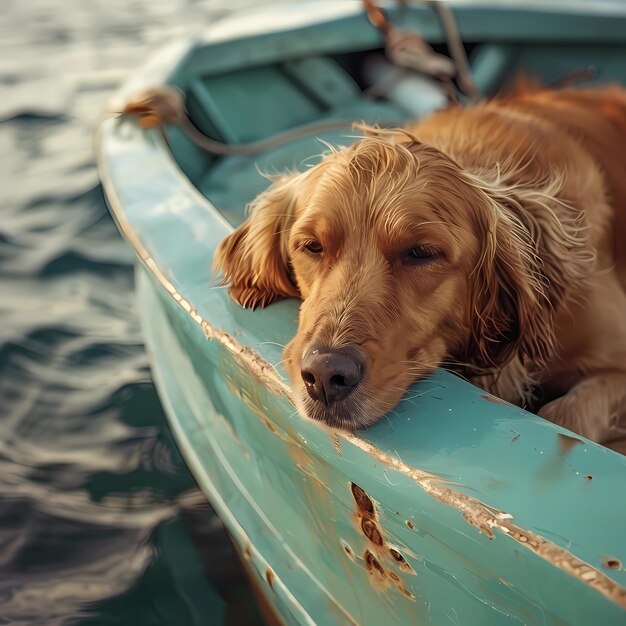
x,y
254,259
512,310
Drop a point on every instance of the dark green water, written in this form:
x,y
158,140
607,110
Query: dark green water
x,y
100,521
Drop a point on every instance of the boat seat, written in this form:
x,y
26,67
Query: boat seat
x,y
257,103
253,103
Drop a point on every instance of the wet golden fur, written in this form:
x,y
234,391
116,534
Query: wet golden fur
x,y
520,203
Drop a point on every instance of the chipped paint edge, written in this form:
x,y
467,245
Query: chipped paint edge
x,y
488,519
477,513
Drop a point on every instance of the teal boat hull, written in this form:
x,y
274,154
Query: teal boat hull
x,y
458,508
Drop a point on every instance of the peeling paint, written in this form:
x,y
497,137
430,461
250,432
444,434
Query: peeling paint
x,y
406,592
349,551
372,564
364,503
366,515
255,365
334,439
381,577
371,531
377,555
491,398
403,564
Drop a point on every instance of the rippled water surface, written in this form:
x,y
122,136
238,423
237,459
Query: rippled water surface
x,y
100,521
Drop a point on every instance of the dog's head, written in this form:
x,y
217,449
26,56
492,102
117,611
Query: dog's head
x,y
402,260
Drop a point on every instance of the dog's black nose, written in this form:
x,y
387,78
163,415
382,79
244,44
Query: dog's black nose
x,y
331,375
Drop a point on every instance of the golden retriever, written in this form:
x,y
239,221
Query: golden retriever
x,y
491,239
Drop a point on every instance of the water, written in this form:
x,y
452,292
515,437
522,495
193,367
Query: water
x,y
100,521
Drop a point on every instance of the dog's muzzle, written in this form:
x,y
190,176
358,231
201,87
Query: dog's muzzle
x,y
331,375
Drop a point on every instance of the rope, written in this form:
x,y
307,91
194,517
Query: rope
x,y
408,49
456,49
161,106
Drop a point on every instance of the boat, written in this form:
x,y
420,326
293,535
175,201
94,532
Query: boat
x,y
458,508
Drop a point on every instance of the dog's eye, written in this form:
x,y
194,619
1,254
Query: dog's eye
x,y
313,246
419,255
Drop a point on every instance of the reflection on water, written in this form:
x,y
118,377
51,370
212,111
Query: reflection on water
x,y
100,521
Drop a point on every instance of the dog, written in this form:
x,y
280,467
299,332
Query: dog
x,y
489,239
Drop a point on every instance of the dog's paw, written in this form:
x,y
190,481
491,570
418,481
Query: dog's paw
x,y
583,410
564,412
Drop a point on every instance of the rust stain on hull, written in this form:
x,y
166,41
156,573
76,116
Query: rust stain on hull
x,y
381,578
612,563
377,552
567,443
270,577
488,519
403,564
349,552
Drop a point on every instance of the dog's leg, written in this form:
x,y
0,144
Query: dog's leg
x,y
594,408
